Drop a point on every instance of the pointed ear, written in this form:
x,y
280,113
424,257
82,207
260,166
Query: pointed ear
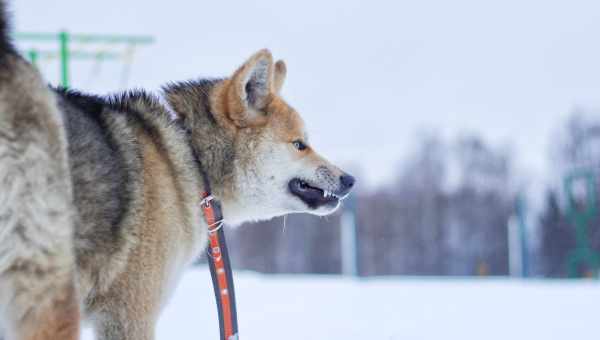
x,y
251,90
279,76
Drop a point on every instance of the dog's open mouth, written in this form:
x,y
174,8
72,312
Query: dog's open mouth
x,y
313,196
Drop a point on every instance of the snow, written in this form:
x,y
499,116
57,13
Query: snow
x,y
305,307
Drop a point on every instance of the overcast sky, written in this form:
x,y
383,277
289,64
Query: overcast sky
x,y
367,75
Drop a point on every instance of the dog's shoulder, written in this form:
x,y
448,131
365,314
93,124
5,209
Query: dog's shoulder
x,y
105,163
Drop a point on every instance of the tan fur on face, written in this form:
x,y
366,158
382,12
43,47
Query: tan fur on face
x,y
262,138
279,118
284,121
288,126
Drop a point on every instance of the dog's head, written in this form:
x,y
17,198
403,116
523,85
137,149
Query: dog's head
x,y
257,153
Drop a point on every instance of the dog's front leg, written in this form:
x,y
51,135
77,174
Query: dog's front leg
x,y
115,325
125,316
130,308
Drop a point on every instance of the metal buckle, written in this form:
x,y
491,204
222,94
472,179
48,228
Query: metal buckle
x,y
206,200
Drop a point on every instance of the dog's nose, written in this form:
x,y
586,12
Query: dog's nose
x,y
347,182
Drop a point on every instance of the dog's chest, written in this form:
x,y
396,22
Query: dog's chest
x,y
183,256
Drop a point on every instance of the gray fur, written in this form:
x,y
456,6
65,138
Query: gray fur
x,y
36,215
105,164
213,145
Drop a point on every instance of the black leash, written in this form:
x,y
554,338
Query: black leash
x,y
220,268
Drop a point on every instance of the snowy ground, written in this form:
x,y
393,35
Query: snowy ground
x,y
276,307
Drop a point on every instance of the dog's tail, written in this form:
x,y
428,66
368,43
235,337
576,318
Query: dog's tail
x,y
38,295
4,38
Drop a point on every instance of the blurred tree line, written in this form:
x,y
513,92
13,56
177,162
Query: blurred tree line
x,y
446,213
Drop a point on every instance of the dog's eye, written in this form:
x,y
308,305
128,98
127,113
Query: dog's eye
x,y
298,144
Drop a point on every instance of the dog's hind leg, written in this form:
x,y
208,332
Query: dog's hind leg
x,y
55,318
38,293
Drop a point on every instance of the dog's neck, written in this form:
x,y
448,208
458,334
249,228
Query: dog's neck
x,y
213,146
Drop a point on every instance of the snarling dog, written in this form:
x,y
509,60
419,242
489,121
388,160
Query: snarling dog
x,y
99,196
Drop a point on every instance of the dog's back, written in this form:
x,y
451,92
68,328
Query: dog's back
x,y
37,287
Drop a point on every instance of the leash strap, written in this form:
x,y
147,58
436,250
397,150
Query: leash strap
x,y
220,268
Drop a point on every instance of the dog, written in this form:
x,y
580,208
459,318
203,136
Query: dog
x,y
99,196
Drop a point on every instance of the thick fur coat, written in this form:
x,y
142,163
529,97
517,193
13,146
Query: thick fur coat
x,y
99,196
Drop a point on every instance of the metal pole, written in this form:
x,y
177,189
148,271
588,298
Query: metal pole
x,y
64,58
33,57
349,237
523,236
515,258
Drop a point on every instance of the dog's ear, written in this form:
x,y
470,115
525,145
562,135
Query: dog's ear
x,y
251,90
279,76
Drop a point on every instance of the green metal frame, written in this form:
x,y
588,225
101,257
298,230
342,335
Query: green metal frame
x,y
66,54
583,252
